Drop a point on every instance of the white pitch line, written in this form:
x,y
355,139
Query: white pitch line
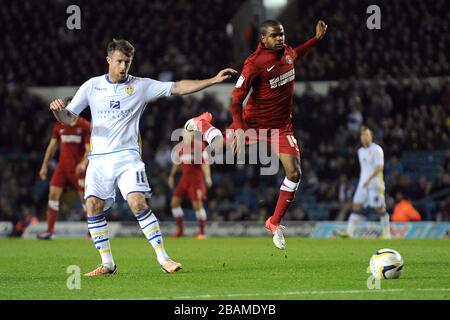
x,y
315,292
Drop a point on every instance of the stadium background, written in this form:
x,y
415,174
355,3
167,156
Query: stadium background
x,y
396,80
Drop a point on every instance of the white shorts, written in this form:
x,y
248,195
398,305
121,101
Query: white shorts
x,y
123,169
369,197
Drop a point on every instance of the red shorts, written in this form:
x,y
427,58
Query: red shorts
x,y
190,190
64,178
281,140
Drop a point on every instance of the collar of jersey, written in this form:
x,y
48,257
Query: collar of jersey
x,y
120,82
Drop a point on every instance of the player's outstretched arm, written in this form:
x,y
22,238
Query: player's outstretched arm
x,y
190,86
303,49
58,108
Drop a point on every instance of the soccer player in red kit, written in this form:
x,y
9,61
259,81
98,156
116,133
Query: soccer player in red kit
x,y
270,73
71,168
190,155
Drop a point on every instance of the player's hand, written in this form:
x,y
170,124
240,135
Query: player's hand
x,y
171,182
366,184
321,29
224,74
57,105
80,168
238,142
209,182
43,173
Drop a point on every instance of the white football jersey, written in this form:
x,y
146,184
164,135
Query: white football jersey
x,y
369,158
116,109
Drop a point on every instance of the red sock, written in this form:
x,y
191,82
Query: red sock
x,y
52,214
201,224
287,195
180,224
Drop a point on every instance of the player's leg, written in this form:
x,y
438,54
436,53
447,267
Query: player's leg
x,y
291,165
211,134
200,214
178,215
57,184
100,195
150,227
135,189
360,200
377,201
98,228
355,218
52,212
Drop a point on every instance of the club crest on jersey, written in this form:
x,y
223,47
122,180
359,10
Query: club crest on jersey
x,y
114,104
129,90
288,59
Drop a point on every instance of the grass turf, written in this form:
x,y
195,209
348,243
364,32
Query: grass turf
x,y
224,268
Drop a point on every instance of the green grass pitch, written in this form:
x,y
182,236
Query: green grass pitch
x,y
224,268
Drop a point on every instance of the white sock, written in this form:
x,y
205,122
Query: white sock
x,y
98,229
211,133
150,227
177,212
353,221
200,214
385,226
289,185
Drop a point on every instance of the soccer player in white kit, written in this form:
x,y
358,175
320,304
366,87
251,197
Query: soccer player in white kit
x,y
370,189
117,101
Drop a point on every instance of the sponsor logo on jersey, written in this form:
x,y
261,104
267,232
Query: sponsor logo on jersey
x,y
129,90
100,89
114,104
283,79
270,69
70,138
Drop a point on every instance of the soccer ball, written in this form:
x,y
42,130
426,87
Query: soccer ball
x,y
386,264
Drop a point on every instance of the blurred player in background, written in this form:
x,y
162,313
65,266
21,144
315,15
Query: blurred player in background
x,y
270,73
71,169
190,155
117,101
370,190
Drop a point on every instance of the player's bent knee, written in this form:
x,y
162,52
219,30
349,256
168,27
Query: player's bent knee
x,y
94,206
294,175
137,206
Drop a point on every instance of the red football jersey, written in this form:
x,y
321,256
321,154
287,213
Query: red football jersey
x,y
191,156
271,77
72,141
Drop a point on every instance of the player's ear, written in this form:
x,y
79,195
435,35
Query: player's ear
x,y
108,59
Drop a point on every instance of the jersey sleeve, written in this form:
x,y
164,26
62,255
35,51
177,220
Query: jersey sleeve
x,y
55,131
81,99
303,49
379,156
240,91
154,89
